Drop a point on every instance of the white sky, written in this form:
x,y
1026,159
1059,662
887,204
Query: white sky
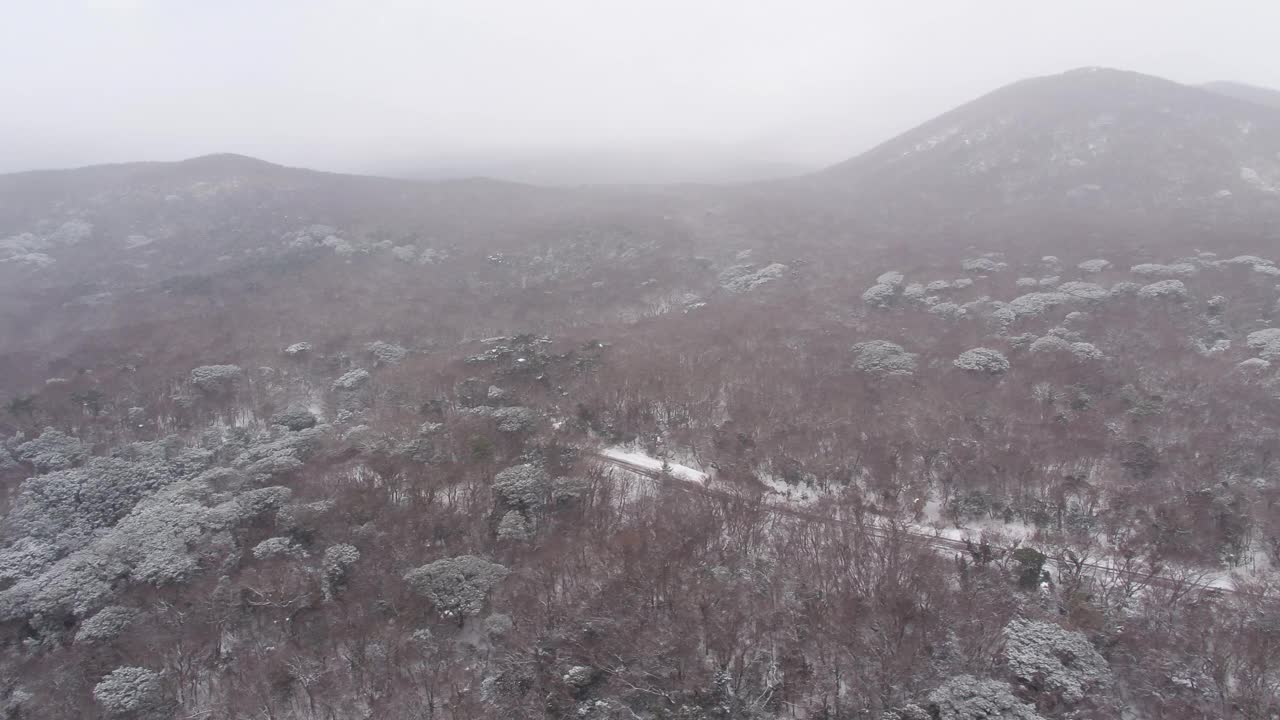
x,y
354,85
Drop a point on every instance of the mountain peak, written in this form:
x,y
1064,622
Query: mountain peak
x,y
228,161
1082,141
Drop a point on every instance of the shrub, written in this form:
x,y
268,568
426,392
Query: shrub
x,y
1095,265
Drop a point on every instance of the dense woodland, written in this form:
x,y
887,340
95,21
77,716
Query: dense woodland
x,y
280,444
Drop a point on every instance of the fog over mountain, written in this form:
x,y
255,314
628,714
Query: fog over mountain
x,y
603,361
570,90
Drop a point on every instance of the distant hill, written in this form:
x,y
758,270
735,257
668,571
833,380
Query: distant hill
x,y
1250,93
655,167
1085,145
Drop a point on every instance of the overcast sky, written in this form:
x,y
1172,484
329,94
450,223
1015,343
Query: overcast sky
x,y
368,85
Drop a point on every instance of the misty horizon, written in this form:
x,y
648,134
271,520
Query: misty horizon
x,y
563,93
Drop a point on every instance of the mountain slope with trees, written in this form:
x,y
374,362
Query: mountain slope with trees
x,y
289,444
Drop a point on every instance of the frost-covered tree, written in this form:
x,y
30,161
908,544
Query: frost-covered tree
x,y
215,378
1124,288
132,692
514,527
982,360
879,295
948,310
71,232
1086,351
160,542
1253,366
294,418
1163,289
1266,343
745,278
965,697
892,278
498,624
1045,657
1050,344
1026,282
52,450
106,625
914,291
1156,270
458,586
1095,265
1250,260
983,264
352,380
1084,290
881,357
298,348
515,419
387,353
277,547
1036,304
335,568
522,487
67,507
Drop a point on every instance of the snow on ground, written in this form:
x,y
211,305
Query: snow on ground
x,y
640,460
933,523
795,495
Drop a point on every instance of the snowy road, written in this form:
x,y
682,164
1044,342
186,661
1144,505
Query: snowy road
x,y
686,479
